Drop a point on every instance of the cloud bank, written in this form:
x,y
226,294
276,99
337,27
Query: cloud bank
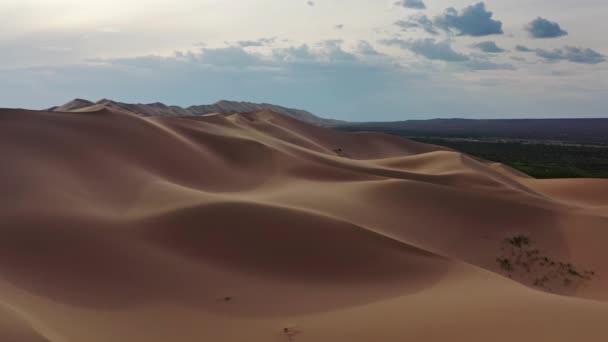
x,y
489,47
543,28
419,21
473,20
572,54
414,4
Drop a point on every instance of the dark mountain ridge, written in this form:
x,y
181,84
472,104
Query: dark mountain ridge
x,y
222,107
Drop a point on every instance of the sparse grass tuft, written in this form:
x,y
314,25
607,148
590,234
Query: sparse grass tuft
x,y
505,264
519,241
520,256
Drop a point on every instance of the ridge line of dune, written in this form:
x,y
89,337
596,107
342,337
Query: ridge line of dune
x,y
287,208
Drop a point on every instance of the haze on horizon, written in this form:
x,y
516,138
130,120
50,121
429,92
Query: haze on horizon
x,y
359,60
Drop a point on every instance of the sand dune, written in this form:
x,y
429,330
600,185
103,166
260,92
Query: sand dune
x,y
223,107
259,227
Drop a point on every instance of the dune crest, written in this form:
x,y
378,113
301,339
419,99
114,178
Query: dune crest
x,y
256,226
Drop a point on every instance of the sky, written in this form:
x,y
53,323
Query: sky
x,y
358,60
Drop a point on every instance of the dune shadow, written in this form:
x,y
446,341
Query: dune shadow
x,y
269,261
296,261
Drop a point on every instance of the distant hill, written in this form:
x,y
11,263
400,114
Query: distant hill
x,y
222,107
580,131
584,131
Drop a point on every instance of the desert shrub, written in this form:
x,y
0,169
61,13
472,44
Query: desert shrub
x,y
505,264
519,241
523,258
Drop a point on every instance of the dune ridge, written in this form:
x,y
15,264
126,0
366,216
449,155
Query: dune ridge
x,y
256,226
222,106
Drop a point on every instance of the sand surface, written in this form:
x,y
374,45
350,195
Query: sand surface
x,y
257,227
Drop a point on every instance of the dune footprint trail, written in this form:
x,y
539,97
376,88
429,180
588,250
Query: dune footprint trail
x,y
259,227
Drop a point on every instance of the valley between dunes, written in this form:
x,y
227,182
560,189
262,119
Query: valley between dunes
x,y
258,227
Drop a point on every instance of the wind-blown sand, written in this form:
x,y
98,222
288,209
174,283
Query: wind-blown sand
x,y
257,227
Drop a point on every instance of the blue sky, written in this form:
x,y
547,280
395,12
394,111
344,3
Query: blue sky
x,y
355,60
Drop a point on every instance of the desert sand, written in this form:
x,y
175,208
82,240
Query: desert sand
x,y
258,227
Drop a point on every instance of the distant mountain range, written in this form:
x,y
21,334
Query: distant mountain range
x,y
588,131
222,107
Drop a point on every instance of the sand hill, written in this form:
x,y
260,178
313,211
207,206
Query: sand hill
x,y
221,107
259,227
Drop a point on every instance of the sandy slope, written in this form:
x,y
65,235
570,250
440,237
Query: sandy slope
x,y
115,227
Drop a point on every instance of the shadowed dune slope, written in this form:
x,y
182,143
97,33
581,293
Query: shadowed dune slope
x,y
259,227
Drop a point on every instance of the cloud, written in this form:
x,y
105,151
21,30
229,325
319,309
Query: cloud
x,y
331,50
473,20
229,56
429,48
443,51
414,4
543,28
489,47
522,48
256,43
326,51
364,48
568,53
294,54
417,21
480,64
572,54
60,46
518,59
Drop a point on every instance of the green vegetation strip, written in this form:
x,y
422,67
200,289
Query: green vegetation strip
x,y
537,160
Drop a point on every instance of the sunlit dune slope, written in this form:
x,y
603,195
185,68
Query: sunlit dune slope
x,y
259,227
